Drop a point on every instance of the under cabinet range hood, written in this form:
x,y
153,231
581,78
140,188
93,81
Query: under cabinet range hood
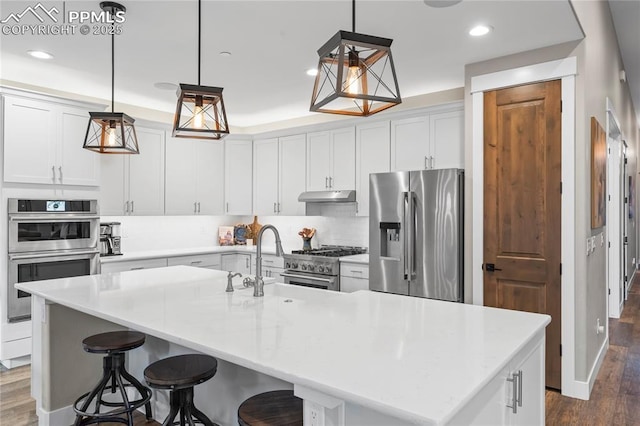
x,y
329,203
328,196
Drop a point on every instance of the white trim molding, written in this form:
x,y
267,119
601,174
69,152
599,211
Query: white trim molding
x,y
566,70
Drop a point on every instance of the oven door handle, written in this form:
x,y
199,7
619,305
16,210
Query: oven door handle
x,y
41,255
306,277
52,218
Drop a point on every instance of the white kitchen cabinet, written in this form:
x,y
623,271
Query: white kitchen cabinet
x,y
373,150
134,184
279,175
493,405
209,261
331,160
353,277
194,171
237,262
428,141
447,139
238,176
51,136
132,265
265,178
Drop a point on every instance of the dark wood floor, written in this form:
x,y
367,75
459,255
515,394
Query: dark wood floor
x,y
615,399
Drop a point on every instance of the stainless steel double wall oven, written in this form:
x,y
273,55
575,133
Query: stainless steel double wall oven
x,y
49,239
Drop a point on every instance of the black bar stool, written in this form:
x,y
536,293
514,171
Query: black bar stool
x,y
274,408
114,345
180,374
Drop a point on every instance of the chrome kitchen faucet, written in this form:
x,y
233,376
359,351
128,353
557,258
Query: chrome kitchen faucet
x,y
258,283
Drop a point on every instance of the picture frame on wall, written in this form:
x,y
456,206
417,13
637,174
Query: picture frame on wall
x,y
598,175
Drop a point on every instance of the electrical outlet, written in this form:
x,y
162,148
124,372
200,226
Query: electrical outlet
x,y
314,414
599,328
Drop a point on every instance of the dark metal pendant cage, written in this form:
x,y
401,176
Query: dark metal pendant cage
x,y
200,113
111,133
356,76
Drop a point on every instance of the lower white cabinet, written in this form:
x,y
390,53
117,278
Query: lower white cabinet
x,y
132,265
272,266
209,261
515,396
237,262
353,277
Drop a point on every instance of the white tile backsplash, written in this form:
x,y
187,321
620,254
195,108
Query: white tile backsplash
x,y
141,233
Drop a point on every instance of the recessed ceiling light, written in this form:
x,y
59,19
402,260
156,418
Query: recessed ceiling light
x,y
312,72
40,54
480,30
165,86
225,54
441,3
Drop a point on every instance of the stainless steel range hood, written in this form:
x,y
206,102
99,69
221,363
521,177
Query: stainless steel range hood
x,y
328,196
329,203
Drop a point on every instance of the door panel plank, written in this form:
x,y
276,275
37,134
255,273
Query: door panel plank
x,y
522,165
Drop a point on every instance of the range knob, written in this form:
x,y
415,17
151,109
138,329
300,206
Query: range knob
x,y
320,268
287,265
311,267
304,267
294,265
327,269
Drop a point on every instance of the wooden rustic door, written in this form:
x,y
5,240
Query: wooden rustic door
x,y
522,160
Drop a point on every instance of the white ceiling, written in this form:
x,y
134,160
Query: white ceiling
x,y
273,43
626,18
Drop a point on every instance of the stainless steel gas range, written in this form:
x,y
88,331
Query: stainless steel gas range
x,y
318,268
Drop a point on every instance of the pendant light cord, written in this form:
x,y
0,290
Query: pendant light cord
x,y
353,15
113,67
199,36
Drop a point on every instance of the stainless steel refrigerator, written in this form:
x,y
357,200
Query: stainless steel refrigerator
x,y
416,227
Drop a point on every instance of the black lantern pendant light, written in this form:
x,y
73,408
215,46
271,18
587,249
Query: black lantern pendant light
x,y
111,132
356,75
200,112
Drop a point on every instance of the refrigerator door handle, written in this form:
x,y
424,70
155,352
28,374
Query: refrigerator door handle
x,y
413,235
407,232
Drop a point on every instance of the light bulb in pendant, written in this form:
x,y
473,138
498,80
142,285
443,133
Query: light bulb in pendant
x,y
111,134
354,83
198,114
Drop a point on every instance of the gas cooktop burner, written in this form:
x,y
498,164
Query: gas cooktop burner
x,y
332,251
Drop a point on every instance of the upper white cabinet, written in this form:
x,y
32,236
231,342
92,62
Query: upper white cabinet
x,y
279,175
331,160
134,184
373,149
238,179
50,136
193,176
428,141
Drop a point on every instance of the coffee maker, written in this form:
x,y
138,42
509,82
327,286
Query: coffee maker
x,y
110,239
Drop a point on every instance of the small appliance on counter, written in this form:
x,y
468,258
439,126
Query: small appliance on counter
x,y
110,239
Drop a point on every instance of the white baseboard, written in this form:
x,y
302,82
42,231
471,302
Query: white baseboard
x,y
16,362
582,390
61,416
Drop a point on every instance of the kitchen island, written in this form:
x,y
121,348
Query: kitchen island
x,y
358,358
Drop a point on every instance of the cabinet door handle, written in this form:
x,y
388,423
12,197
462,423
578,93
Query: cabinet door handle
x,y
195,207
274,208
247,262
326,182
355,271
278,207
516,400
433,162
60,170
126,206
137,268
426,162
227,207
196,262
132,208
330,182
53,173
198,206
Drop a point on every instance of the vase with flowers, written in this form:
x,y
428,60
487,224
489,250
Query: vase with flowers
x,y
307,234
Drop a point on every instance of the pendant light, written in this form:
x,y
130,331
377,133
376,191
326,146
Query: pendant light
x,y
111,132
200,111
356,75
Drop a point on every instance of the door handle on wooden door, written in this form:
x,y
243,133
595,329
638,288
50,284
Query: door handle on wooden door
x,y
490,267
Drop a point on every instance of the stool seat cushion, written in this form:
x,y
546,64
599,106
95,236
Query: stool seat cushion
x,y
113,341
281,408
181,371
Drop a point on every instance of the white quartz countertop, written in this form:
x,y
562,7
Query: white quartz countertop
x,y
356,258
154,254
416,359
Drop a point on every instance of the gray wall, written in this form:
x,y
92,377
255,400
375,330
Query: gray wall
x,y
598,65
